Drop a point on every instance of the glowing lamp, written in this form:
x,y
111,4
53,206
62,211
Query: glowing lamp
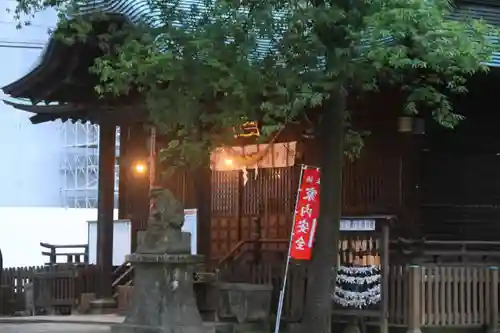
x,y
139,168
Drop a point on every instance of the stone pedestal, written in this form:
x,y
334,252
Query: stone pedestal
x,y
102,306
163,299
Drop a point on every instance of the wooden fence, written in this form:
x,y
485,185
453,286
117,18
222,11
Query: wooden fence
x,y
439,295
44,288
419,296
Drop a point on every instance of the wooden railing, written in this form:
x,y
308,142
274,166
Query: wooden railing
x,y
244,245
438,295
122,276
446,250
51,286
419,296
71,257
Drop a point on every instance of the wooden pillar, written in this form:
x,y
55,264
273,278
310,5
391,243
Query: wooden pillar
x,y
384,263
414,301
105,206
203,188
123,209
134,188
494,280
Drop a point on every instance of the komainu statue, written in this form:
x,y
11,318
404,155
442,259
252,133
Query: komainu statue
x,y
166,218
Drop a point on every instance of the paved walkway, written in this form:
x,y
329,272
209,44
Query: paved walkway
x,y
53,328
59,324
73,319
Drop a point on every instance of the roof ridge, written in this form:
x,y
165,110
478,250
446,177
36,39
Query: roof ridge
x,y
491,3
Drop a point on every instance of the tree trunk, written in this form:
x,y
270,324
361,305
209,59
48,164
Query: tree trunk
x,y
321,277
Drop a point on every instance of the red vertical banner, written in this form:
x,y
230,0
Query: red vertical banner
x,y
306,215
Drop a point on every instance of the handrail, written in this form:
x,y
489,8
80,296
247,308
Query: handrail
x,y
66,246
241,243
119,268
119,279
71,257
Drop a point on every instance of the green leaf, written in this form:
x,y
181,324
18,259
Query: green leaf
x,y
203,71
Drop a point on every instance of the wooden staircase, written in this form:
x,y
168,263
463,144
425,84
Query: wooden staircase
x,y
122,276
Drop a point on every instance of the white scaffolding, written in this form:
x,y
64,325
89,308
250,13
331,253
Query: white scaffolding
x,y
80,165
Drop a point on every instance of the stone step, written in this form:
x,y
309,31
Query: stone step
x,y
102,306
220,327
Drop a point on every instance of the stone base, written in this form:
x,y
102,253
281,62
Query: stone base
x,y
103,306
252,327
418,330
352,327
221,327
84,305
171,259
163,299
173,242
127,328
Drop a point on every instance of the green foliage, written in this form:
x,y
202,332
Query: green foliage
x,y
205,69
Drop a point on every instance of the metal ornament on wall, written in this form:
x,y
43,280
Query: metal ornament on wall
x,y
412,125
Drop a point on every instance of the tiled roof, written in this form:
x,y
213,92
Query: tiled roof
x,y
140,12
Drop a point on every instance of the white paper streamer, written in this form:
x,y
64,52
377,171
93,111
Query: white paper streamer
x,y
358,270
369,279
359,302
365,278
358,295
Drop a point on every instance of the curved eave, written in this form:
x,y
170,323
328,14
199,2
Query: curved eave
x,y
43,109
124,114
57,63
46,59
44,113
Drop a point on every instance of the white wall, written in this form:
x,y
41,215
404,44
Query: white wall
x,y
30,154
22,229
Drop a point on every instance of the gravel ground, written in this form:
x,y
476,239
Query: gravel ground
x,y
53,328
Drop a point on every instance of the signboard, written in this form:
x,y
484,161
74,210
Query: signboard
x,y
357,225
121,241
190,225
306,215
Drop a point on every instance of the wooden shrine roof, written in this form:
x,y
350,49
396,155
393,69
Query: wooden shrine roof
x,y
62,73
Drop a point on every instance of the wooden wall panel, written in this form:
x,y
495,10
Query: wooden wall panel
x,y
225,193
260,208
372,184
